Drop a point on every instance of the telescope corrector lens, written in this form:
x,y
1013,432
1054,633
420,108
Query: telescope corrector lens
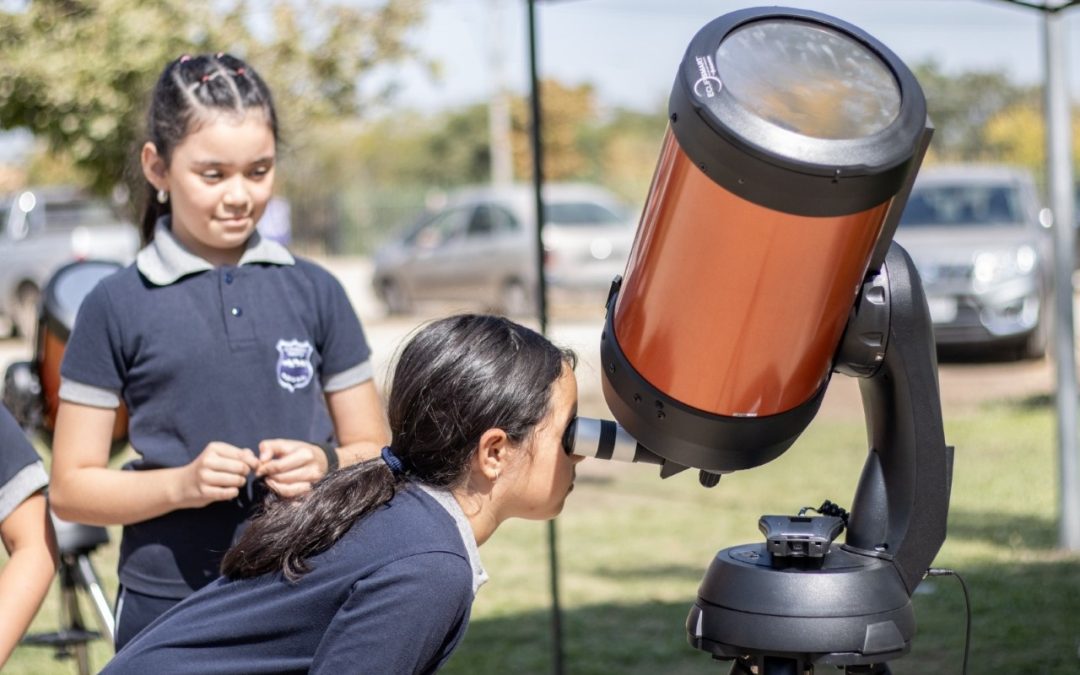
x,y
754,63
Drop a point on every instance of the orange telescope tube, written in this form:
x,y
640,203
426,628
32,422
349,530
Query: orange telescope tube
x,y
742,319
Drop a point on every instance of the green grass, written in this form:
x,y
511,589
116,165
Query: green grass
x,y
633,548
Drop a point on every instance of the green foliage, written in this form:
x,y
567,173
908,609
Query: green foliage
x,y
398,160
627,146
983,116
566,112
1017,135
77,72
962,104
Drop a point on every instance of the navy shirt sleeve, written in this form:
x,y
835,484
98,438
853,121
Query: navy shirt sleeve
x,y
397,620
94,356
21,471
342,344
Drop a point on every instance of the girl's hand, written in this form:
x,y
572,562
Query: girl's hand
x,y
290,467
217,474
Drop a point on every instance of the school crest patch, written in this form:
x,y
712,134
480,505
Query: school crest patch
x,y
294,369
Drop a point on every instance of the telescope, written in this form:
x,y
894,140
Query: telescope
x,y
762,265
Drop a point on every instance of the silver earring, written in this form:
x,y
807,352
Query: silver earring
x,y
162,197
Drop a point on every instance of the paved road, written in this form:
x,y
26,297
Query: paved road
x,y
964,386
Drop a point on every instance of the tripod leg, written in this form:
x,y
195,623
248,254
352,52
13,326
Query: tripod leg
x,y
741,667
773,665
70,616
89,578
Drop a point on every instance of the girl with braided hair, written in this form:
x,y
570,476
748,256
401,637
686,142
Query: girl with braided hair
x,y
374,570
244,369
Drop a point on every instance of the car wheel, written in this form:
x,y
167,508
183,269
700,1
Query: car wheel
x,y
25,311
395,298
514,299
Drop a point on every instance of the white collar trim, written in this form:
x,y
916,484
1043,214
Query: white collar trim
x,y
446,500
165,261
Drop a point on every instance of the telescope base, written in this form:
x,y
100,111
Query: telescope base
x,y
852,611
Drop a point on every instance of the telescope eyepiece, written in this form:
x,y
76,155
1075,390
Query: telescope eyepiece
x,y
605,439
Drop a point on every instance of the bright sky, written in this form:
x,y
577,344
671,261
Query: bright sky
x,y
629,49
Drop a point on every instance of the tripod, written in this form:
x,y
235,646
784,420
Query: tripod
x,y
75,543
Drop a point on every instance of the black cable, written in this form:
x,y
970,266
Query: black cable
x,y
941,572
828,508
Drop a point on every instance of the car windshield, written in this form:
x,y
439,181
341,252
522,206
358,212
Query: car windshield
x,y
963,204
581,213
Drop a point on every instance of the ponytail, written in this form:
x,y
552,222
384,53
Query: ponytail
x,y
290,531
454,380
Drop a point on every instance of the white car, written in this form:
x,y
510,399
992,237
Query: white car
x,y
43,228
480,249
981,245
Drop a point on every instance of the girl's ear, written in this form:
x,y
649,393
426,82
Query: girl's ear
x,y
154,167
493,453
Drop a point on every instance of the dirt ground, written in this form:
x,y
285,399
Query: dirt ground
x,y
964,385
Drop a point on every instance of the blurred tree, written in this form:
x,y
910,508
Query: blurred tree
x,y
402,162
375,172
566,110
77,72
1017,135
442,150
961,105
459,149
627,146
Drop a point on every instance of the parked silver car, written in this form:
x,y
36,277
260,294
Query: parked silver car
x,y
479,248
43,228
982,247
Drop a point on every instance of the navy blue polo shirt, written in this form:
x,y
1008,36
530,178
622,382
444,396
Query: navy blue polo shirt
x,y
199,353
21,471
392,596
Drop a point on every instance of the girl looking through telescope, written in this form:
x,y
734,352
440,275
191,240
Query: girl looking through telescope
x,y
374,570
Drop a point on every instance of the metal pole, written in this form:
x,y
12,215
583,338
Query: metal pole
x,y
541,309
1060,182
538,172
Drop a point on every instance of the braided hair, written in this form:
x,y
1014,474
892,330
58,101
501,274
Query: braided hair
x,y
189,90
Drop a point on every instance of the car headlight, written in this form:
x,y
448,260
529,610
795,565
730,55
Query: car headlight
x,y
1025,259
600,249
994,266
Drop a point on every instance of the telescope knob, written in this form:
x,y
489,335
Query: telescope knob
x,y
708,478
